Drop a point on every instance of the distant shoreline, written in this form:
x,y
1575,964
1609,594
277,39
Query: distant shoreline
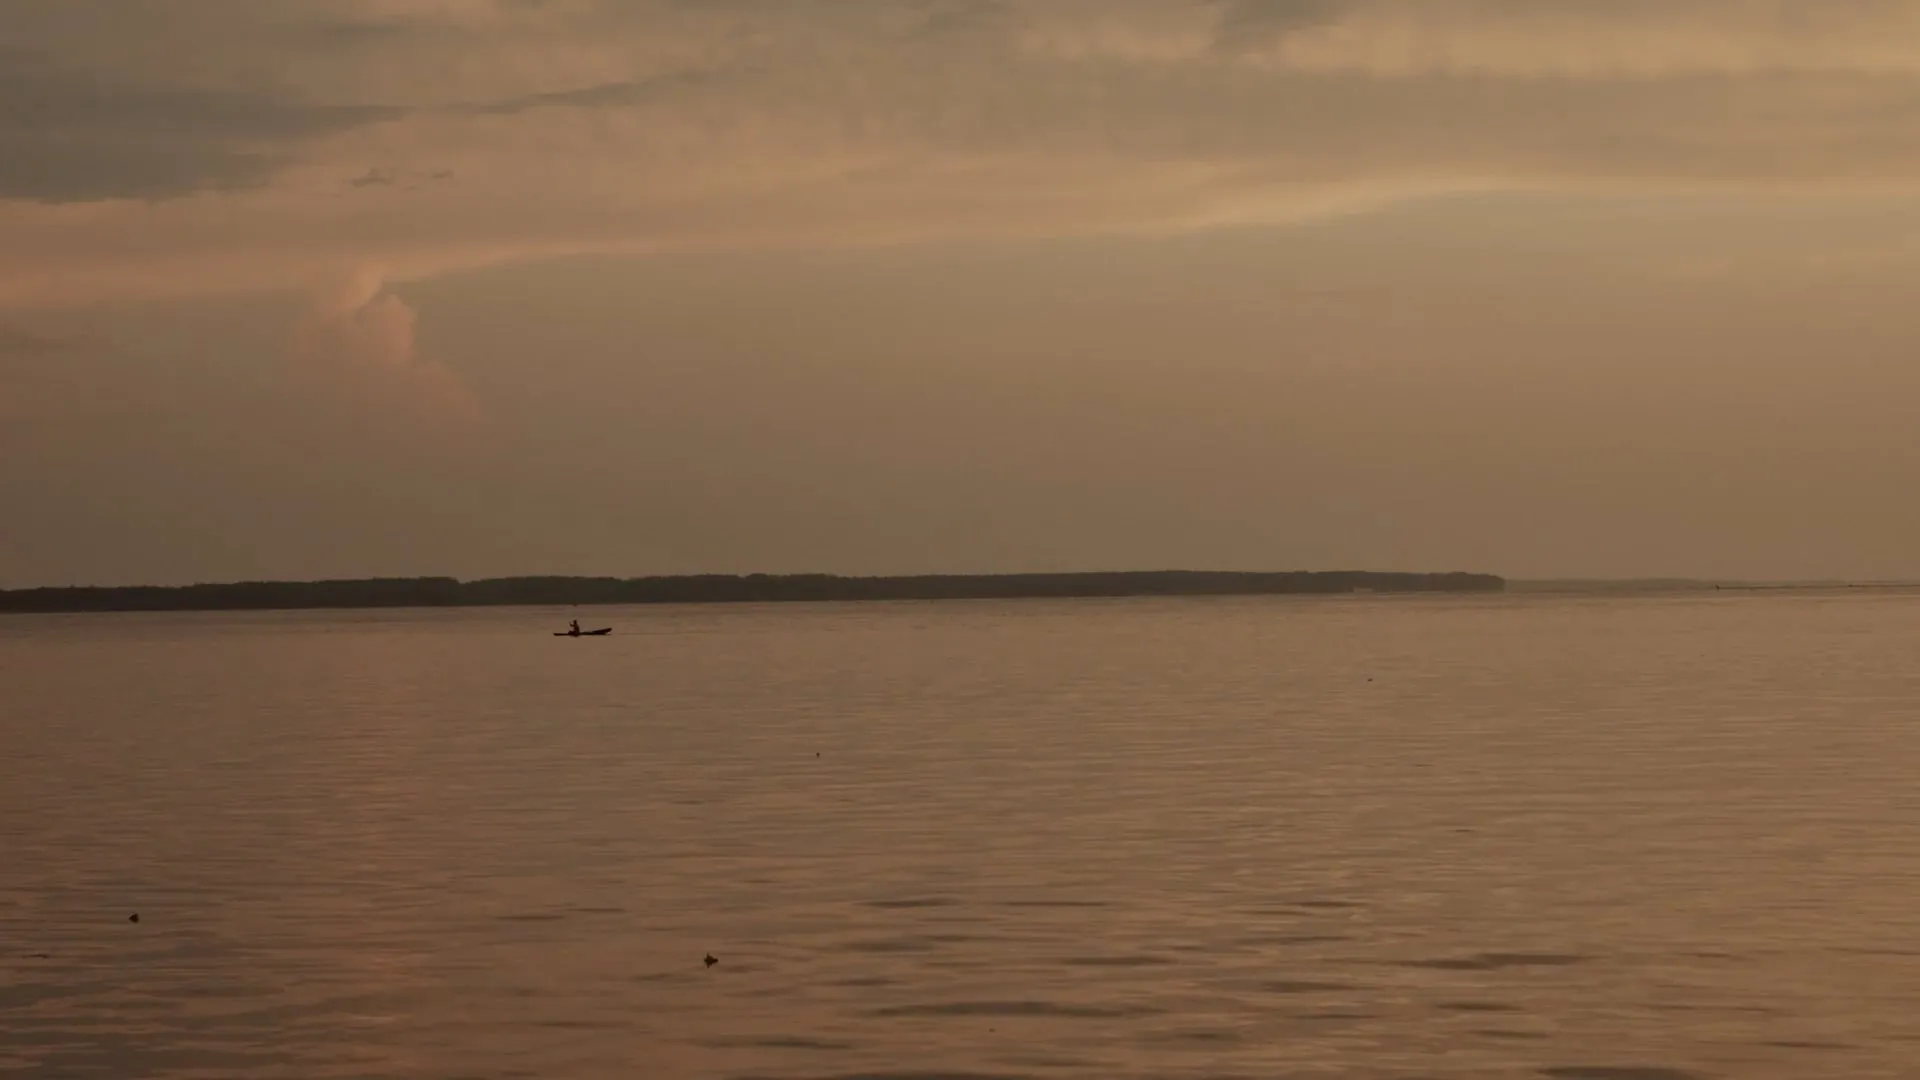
x,y
722,589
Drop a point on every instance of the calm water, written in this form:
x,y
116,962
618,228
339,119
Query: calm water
x,y
1572,838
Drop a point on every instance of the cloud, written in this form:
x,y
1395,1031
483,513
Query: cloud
x,y
612,95
357,349
1248,24
658,125
69,136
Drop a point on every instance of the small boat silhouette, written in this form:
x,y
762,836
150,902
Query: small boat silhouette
x,y
573,630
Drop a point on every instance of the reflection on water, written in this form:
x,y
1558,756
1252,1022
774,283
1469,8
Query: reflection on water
x,y
1563,838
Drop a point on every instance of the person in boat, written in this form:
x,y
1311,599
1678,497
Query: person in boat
x,y
574,626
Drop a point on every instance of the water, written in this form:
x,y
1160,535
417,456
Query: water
x,y
1562,837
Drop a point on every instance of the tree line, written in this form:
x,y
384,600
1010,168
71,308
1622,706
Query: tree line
x,y
721,588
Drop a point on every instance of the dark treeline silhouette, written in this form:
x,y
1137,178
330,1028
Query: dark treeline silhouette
x,y
721,589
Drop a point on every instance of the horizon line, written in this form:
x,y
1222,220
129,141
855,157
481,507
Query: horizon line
x,y
726,588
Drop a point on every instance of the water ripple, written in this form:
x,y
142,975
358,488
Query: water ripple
x,y
1578,839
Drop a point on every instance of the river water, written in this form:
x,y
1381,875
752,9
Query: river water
x,y
1529,836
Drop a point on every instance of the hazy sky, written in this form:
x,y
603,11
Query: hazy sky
x,y
1538,287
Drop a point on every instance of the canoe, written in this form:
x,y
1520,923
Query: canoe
x,y
584,633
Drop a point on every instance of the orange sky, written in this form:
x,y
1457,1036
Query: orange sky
x,y
1541,287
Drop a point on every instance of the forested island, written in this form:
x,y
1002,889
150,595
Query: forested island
x,y
721,589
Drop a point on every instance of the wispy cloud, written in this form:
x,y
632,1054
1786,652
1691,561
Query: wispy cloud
x,y
1252,24
589,125
72,136
611,95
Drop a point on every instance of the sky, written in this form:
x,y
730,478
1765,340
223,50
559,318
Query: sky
x,y
1545,288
